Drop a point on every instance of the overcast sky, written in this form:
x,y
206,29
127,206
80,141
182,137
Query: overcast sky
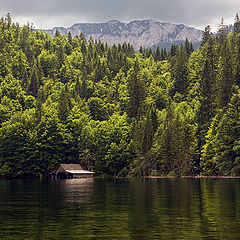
x,y
52,13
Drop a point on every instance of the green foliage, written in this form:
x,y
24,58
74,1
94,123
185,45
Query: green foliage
x,y
97,109
64,99
136,90
177,142
206,34
64,104
180,72
224,83
236,26
221,152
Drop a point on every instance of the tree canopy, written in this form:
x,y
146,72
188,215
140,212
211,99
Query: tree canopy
x,y
118,112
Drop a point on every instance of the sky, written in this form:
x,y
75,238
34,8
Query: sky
x,y
64,13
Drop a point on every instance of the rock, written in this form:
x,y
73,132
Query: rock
x,y
145,33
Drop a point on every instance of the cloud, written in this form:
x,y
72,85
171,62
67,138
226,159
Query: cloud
x,y
50,13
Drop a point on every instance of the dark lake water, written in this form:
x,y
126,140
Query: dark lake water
x,y
120,209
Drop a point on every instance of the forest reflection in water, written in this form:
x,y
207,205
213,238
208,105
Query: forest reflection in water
x,y
178,208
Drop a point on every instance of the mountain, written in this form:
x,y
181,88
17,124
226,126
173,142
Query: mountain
x,y
145,33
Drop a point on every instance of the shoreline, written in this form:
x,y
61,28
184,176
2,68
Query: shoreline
x,y
143,177
197,176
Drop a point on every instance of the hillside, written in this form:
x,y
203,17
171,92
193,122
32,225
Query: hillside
x,y
146,33
116,111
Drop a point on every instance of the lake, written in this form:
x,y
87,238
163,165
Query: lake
x,y
174,208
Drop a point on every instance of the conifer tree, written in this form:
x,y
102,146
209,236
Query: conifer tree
x,y
166,147
24,42
237,64
173,50
40,100
136,90
64,104
83,47
157,54
77,88
149,130
34,81
180,72
57,33
206,34
222,33
82,37
187,46
70,37
208,83
191,48
164,54
225,79
236,26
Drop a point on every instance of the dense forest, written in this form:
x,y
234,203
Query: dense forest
x,y
115,110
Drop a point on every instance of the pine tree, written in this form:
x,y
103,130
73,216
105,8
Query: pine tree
x,y
166,147
136,90
208,83
157,56
8,20
57,33
237,65
40,100
173,50
149,130
83,47
236,27
64,104
180,72
206,34
34,81
82,37
77,88
70,37
222,33
191,48
164,54
225,80
187,46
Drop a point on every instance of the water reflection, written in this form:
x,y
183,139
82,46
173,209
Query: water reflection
x,y
77,190
120,209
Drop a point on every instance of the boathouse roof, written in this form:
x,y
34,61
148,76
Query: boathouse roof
x,y
71,168
79,171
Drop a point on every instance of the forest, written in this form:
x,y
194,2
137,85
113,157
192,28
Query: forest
x,y
116,110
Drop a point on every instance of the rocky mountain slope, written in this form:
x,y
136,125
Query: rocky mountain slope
x,y
146,33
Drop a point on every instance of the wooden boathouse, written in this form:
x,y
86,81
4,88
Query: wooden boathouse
x,y
69,171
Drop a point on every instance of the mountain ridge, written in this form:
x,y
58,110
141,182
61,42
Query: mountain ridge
x,y
145,33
